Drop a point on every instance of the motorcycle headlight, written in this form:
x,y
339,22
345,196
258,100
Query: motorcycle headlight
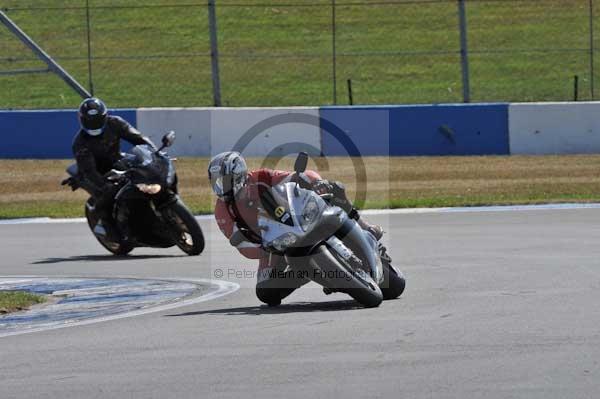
x,y
284,241
149,188
309,214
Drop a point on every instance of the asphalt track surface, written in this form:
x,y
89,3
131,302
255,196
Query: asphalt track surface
x,y
498,305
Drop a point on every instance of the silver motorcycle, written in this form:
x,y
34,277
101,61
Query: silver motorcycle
x,y
322,243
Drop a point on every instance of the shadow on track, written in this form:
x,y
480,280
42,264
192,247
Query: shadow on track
x,y
297,307
102,258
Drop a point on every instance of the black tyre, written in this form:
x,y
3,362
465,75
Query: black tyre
x,y
185,228
114,247
339,277
370,296
393,282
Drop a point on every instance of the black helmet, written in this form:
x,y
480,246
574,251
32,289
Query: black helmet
x,y
227,173
92,116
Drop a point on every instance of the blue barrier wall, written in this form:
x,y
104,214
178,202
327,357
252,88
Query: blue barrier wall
x,y
42,134
453,129
460,129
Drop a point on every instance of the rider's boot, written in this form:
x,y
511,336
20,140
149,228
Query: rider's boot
x,y
383,254
107,228
375,230
123,226
103,207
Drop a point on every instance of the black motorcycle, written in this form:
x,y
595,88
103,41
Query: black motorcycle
x,y
156,216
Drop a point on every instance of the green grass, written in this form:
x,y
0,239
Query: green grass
x,y
12,301
277,55
32,188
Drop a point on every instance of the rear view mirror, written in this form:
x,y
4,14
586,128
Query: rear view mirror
x,y
301,162
168,139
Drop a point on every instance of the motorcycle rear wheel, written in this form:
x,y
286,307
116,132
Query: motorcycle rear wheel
x,y
393,281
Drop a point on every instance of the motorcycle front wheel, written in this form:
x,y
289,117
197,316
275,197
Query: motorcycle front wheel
x,y
185,229
336,276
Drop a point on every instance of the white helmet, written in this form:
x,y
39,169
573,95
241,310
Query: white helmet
x,y
227,173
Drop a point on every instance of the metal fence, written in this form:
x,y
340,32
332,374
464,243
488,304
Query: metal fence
x,y
291,52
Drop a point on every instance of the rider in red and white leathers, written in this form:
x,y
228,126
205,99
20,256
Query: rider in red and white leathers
x,y
236,210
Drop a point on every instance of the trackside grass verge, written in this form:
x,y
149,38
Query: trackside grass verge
x,y
31,188
12,301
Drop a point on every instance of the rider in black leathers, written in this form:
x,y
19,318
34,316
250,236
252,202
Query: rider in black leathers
x,y
96,148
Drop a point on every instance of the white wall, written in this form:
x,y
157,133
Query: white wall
x,y
228,125
554,128
209,131
192,126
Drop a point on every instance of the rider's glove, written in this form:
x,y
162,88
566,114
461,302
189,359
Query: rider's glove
x,y
71,183
322,187
337,194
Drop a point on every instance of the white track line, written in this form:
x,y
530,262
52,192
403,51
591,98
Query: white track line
x,y
400,211
46,220
224,288
471,209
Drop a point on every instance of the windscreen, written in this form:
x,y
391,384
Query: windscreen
x,y
143,154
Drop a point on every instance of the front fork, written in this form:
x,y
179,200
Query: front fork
x,y
350,240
